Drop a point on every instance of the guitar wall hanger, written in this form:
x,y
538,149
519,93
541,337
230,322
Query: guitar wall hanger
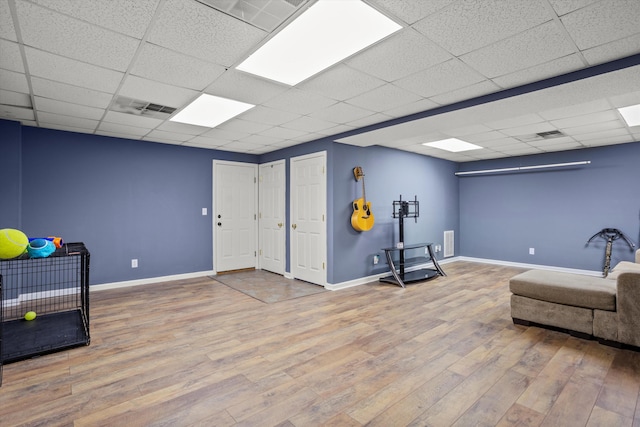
x,y
361,219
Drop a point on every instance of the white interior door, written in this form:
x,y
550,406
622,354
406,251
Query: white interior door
x,y
308,211
271,218
234,215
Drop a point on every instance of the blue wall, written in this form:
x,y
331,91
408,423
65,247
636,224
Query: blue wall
x,y
10,171
124,199
554,211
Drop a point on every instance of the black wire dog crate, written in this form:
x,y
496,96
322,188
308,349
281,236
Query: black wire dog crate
x,y
56,288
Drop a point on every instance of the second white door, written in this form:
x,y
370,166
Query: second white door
x,y
271,216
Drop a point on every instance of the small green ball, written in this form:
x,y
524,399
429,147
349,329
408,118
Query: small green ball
x,y
30,315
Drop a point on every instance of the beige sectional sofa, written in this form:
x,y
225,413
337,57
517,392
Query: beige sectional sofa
x,y
590,307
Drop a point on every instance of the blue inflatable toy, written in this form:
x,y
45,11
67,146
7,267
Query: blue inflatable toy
x,y
40,248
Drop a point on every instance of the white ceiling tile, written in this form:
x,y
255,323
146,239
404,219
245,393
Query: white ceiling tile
x,y
203,142
13,81
478,138
546,142
597,127
341,83
585,120
341,113
15,99
520,150
562,147
411,11
68,109
384,98
625,100
10,56
224,134
166,66
469,25
529,129
469,92
66,128
616,49
411,108
159,93
69,93
530,48
404,53
308,124
200,31
281,133
59,119
499,142
124,16
122,129
74,38
299,101
575,110
131,120
602,135
466,130
245,126
555,67
335,130
113,134
270,116
369,120
76,73
260,139
167,136
11,112
7,30
177,127
245,87
441,78
512,122
608,140
562,7
241,146
603,22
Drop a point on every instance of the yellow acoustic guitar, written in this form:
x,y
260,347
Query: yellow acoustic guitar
x,y
361,219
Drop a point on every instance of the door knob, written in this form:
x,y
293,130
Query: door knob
x,y
219,224
294,226
279,225
219,216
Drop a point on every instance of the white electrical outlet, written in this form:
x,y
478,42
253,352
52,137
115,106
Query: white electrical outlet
x,y
376,259
134,263
532,251
204,211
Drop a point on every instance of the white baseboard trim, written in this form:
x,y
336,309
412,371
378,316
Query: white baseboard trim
x,y
531,266
138,282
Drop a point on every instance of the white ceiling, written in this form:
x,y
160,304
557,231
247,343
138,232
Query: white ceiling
x,y
64,63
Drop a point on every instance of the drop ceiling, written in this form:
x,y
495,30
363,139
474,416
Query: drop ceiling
x,y
120,68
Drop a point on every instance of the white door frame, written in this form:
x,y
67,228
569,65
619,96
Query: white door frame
x,y
292,181
213,208
284,219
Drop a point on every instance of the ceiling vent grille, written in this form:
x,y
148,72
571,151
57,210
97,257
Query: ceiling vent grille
x,y
137,107
266,14
541,135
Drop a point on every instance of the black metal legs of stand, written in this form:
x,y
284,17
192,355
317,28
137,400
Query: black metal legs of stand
x,y
400,276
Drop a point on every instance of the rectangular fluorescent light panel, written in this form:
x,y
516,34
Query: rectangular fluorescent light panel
x,y
631,114
326,33
210,111
454,145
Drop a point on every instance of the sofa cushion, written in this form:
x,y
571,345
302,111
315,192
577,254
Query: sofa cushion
x,y
566,288
623,267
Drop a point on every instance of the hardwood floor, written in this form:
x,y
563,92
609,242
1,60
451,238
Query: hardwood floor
x,y
439,353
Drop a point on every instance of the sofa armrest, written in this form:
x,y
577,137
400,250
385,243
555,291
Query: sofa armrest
x,y
628,308
638,256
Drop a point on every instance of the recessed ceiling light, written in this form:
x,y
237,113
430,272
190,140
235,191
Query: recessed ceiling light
x,y
454,145
631,114
210,111
323,35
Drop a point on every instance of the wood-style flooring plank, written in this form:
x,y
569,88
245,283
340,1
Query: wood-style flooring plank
x,y
443,352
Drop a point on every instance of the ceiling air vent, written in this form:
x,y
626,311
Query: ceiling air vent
x,y
137,107
540,135
550,134
265,14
